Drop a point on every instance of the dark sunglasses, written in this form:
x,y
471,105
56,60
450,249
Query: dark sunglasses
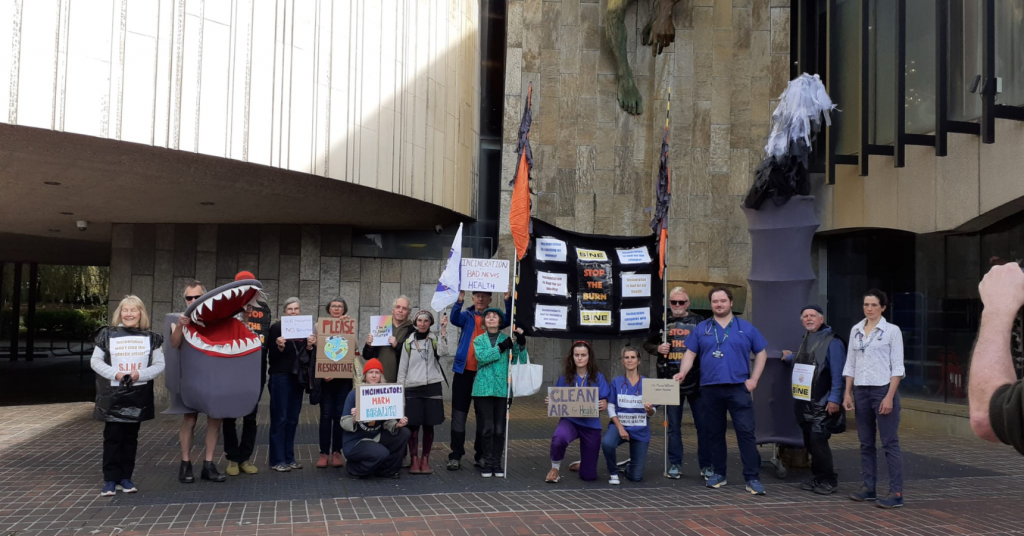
x,y
190,298
683,302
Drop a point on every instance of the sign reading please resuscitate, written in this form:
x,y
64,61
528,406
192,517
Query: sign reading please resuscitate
x,y
573,402
335,347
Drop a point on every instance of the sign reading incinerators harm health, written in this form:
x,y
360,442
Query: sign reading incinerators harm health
x,y
380,402
573,402
335,347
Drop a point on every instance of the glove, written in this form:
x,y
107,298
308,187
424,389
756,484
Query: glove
x,y
521,339
505,345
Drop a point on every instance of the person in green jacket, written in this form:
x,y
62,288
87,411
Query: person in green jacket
x,y
490,387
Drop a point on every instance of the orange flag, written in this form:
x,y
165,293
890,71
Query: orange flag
x,y
519,211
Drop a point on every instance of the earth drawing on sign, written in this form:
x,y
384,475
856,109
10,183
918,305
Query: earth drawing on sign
x,y
336,348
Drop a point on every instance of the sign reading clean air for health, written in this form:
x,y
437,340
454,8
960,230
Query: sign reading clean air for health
x,y
484,275
573,402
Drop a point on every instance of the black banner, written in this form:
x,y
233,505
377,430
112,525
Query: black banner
x,y
574,285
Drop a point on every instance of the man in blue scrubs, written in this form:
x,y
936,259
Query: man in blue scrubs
x,y
723,344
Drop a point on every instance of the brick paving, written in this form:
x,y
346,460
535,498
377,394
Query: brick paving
x,y
50,480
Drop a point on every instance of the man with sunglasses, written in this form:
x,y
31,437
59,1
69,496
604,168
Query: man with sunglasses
x,y
193,291
670,354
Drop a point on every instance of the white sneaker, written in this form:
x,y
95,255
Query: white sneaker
x,y
614,480
499,474
487,475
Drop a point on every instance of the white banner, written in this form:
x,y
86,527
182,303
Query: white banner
x,y
484,275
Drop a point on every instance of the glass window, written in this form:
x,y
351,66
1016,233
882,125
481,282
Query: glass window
x,y
882,72
965,32
846,77
1010,51
920,67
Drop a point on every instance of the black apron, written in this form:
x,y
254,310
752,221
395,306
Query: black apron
x,y
814,351
124,403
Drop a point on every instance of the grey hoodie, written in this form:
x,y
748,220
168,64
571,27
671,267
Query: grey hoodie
x,y
419,365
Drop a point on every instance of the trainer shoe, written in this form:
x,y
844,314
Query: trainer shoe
x,y
675,471
295,465
715,481
453,465
109,489
322,462
754,487
892,500
707,472
809,484
248,468
864,494
487,474
232,469
499,473
282,468
614,480
128,487
826,488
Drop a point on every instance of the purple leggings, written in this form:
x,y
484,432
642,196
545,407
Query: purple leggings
x,y
590,446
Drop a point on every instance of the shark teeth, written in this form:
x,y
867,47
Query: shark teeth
x,y
235,347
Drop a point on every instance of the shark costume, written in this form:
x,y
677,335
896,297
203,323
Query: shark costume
x,y
217,369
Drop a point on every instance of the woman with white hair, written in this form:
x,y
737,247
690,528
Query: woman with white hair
x,y
420,371
290,362
126,359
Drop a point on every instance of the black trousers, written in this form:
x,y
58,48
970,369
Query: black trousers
x,y
235,450
462,395
821,454
490,421
120,443
378,458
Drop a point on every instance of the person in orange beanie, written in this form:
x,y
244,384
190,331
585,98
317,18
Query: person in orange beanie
x,y
373,448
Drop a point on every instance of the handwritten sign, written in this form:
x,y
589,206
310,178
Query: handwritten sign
x,y
636,285
633,255
296,327
660,392
484,275
335,347
129,354
551,317
634,319
551,250
552,284
380,328
380,402
573,402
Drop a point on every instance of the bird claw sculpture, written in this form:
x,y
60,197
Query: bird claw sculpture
x,y
658,33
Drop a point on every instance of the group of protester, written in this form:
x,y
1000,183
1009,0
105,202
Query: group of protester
x,y
709,358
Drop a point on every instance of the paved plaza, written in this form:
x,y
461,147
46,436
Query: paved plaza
x,y
50,481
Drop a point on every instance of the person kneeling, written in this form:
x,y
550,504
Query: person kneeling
x,y
373,448
629,420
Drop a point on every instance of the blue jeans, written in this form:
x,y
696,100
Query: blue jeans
x,y
866,400
332,403
735,399
637,454
285,405
674,415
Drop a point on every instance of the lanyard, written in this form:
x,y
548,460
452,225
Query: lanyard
x,y
718,343
863,345
579,381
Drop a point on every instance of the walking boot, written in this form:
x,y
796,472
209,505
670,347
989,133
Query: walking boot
x,y
185,473
211,473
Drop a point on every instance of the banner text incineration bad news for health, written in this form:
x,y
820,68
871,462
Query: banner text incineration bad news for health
x,y
484,275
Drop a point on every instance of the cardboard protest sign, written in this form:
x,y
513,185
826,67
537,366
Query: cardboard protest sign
x,y
380,328
336,347
484,275
573,402
660,392
129,354
380,401
296,327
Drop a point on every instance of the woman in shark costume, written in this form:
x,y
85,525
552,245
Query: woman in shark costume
x,y
216,370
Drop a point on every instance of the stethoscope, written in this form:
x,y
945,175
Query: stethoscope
x,y
625,386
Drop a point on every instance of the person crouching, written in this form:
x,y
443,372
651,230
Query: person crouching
x,y
373,448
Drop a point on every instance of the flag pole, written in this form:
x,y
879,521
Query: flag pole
x,y
511,355
664,292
